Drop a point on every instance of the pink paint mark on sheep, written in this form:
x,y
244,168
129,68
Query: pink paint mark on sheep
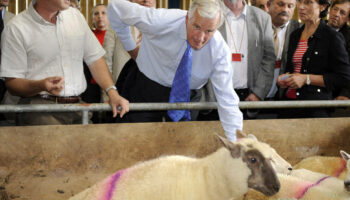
x,y
341,168
299,189
312,185
112,184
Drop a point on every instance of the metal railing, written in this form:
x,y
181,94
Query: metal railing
x,y
86,108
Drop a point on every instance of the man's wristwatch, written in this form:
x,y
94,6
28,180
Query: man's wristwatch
x,y
110,88
308,81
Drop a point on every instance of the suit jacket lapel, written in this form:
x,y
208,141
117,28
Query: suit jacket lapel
x,y
251,42
293,25
222,30
290,29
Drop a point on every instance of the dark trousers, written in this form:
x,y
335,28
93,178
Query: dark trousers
x,y
247,114
92,94
303,112
3,90
137,88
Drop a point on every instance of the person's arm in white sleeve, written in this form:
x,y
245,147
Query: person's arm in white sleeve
x,y
115,10
149,21
230,116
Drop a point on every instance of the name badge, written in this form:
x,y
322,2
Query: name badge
x,y
278,64
237,57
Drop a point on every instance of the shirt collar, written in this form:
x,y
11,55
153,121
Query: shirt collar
x,y
281,27
243,14
183,30
36,15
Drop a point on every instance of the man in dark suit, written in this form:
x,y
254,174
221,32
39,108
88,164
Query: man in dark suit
x,y
339,15
281,12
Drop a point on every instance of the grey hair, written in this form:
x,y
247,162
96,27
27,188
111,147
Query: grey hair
x,y
207,9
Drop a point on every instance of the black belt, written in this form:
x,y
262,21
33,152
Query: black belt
x,y
57,99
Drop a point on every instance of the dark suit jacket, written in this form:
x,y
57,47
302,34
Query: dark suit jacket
x,y
292,26
326,55
345,30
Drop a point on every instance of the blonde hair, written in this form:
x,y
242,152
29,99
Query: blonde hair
x,y
93,12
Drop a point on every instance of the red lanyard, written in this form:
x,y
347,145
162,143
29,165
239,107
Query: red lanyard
x,y
233,40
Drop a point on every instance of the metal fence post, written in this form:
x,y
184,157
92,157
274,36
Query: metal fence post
x,y
85,117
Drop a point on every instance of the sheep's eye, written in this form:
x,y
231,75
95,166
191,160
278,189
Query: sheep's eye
x,y
253,160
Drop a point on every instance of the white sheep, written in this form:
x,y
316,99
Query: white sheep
x,y
224,174
333,166
346,157
278,163
302,184
316,177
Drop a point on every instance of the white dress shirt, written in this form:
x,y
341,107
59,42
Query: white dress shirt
x,y
163,44
281,39
237,40
34,49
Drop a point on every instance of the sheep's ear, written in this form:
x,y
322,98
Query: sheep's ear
x,y
252,137
224,141
240,134
345,155
235,149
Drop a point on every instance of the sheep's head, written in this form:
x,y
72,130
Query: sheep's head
x,y
278,163
262,177
346,157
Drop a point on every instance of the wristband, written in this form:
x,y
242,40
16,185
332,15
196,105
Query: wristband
x,y
110,88
308,81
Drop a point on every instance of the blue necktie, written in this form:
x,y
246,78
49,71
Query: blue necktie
x,y
180,89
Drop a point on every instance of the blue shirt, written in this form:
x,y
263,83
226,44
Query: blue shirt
x,y
163,44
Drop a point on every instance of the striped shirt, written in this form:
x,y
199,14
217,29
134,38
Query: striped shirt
x,y
297,63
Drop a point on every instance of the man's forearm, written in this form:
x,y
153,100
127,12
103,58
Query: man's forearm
x,y
24,87
101,74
